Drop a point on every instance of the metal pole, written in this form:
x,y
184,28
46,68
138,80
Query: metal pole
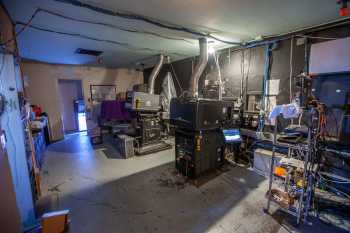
x,y
267,69
309,176
272,165
306,161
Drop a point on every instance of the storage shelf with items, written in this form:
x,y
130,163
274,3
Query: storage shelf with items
x,y
35,141
291,179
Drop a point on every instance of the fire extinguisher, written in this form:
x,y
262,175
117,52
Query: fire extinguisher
x,y
344,10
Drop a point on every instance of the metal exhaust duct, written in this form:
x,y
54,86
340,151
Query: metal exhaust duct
x,y
203,60
154,74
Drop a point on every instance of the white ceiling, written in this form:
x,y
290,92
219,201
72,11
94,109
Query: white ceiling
x,y
233,20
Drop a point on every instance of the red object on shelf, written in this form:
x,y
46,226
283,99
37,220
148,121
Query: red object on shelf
x,y
37,110
344,11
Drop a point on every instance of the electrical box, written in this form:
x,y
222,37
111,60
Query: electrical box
x,y
198,152
142,101
202,114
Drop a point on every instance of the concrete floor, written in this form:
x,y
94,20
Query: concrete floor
x,y
143,194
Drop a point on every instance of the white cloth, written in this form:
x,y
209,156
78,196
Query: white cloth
x,y
287,110
168,92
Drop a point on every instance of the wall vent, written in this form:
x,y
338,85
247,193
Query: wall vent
x,y
88,52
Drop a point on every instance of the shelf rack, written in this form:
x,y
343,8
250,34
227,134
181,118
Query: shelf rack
x,y
304,152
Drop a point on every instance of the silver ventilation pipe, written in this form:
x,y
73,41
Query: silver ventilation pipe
x,y
154,74
203,60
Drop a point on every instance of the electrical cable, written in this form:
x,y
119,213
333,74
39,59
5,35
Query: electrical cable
x,y
318,37
244,78
265,98
334,181
112,26
145,19
300,117
288,35
176,78
248,70
242,88
345,181
97,39
338,191
26,25
334,118
321,26
291,73
291,70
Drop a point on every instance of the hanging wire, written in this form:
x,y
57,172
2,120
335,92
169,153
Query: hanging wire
x,y
132,30
317,37
98,39
26,25
291,69
242,73
38,10
145,19
176,78
333,181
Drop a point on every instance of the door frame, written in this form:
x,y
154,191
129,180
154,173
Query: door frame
x,y
80,81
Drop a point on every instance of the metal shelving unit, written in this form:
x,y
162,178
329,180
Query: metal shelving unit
x,y
301,193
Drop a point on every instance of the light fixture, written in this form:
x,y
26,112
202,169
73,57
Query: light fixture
x,y
211,49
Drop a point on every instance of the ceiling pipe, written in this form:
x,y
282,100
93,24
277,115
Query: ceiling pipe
x,y
198,70
154,74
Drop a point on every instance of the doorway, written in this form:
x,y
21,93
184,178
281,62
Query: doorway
x,y
72,105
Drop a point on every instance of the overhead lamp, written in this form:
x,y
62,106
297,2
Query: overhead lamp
x,y
211,50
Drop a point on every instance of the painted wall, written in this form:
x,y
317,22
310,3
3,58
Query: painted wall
x,y
253,61
11,123
42,80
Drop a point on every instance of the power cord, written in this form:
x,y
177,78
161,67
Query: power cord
x,y
145,19
132,30
97,39
176,78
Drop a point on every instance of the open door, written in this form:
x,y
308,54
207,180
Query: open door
x,y
72,105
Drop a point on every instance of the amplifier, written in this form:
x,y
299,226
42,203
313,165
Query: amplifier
x,y
201,114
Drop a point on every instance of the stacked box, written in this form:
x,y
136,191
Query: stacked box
x,y
95,135
125,145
